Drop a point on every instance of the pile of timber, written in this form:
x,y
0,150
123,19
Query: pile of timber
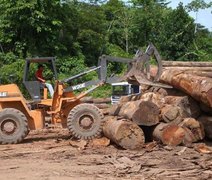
x,y
181,115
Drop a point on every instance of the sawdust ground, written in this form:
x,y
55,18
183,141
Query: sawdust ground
x,y
47,154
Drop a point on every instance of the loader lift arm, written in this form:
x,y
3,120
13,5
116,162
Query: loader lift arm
x,y
139,71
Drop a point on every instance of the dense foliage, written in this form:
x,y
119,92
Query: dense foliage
x,y
78,32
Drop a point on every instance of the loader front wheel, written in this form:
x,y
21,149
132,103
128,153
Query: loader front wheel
x,y
13,126
85,121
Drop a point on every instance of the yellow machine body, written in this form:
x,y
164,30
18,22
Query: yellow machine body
x,y
56,108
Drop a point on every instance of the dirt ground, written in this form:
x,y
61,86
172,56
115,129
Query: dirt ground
x,y
50,154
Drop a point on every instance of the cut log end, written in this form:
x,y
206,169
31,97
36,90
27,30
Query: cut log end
x,y
147,114
173,135
169,134
124,133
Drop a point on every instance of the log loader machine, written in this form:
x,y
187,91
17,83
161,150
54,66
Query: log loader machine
x,y
18,116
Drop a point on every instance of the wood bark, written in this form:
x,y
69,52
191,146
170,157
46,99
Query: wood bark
x,y
156,98
101,100
207,124
194,130
102,106
186,64
124,133
124,99
200,88
184,69
173,114
167,92
189,106
201,73
89,99
141,112
169,134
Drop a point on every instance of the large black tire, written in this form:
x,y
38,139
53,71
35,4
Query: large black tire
x,y
13,126
85,121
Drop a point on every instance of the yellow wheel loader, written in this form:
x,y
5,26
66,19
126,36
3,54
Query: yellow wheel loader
x,y
18,116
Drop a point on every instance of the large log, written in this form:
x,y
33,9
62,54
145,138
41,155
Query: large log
x,y
189,106
167,92
156,98
114,109
102,106
200,88
133,97
173,114
201,73
169,134
207,123
89,99
101,100
186,64
141,112
194,130
124,133
184,69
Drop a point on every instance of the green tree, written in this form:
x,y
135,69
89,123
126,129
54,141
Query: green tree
x,y
29,26
92,30
149,19
178,34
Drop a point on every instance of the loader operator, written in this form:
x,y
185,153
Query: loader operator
x,y
39,76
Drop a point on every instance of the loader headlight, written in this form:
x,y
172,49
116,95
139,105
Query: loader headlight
x,y
3,94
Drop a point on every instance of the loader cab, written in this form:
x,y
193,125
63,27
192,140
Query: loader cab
x,y
30,82
123,89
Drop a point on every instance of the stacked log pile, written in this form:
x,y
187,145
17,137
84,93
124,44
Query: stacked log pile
x,y
173,116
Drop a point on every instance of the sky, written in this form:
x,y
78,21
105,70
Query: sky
x,y
204,17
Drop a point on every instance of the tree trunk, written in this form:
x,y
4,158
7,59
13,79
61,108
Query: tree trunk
x,y
207,124
186,64
173,114
101,100
169,134
200,88
156,98
194,130
201,73
124,133
141,112
89,99
189,106
167,92
185,69
102,106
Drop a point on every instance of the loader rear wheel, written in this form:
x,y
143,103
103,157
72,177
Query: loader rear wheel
x,y
13,126
85,121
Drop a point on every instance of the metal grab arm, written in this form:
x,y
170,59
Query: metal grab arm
x,y
81,74
138,73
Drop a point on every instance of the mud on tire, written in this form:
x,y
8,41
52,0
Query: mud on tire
x,y
85,121
13,126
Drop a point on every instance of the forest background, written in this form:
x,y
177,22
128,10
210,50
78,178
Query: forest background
x,y
78,32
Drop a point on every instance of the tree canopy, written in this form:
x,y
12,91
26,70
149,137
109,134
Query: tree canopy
x,y
78,32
